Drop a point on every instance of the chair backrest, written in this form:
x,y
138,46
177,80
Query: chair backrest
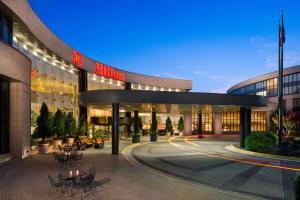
x,y
52,182
87,181
92,171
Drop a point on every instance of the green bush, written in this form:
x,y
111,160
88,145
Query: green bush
x,y
260,142
99,134
272,136
297,187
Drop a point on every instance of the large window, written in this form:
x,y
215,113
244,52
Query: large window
x,y
5,30
206,119
258,121
291,85
4,116
231,121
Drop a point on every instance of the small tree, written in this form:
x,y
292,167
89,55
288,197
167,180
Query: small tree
x,y
82,129
59,124
169,126
70,124
44,126
180,124
289,123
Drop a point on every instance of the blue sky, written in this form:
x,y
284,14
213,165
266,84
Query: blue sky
x,y
214,43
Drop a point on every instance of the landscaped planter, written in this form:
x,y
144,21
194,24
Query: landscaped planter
x,y
136,139
70,140
43,148
153,138
56,142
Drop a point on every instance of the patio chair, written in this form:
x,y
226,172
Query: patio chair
x,y
92,172
56,185
85,184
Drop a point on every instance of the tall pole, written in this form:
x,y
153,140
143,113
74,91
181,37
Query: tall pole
x,y
280,81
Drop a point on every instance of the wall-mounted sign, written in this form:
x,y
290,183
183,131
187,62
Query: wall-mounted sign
x,y
77,58
109,72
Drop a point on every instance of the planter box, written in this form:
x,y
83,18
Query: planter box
x,y
56,142
43,148
70,141
153,138
136,139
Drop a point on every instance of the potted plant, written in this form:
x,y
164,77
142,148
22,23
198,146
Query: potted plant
x,y
44,128
59,128
180,126
99,139
153,130
82,128
136,137
70,124
169,127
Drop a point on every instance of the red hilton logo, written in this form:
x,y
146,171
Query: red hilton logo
x,y
109,72
77,58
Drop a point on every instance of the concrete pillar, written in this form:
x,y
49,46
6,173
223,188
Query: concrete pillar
x,y
268,121
82,87
217,122
136,121
187,124
199,123
19,138
245,124
153,117
289,104
115,128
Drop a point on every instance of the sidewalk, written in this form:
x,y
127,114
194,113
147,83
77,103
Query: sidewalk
x,y
27,179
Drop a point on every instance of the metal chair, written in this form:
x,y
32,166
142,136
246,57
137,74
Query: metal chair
x,y
56,185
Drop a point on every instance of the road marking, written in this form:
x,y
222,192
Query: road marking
x,y
186,140
126,152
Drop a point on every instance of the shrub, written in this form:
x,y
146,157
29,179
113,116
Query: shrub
x,y
44,123
260,142
272,136
82,127
297,187
153,126
99,134
180,124
59,124
169,126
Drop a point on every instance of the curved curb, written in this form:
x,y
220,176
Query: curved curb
x,y
234,149
126,153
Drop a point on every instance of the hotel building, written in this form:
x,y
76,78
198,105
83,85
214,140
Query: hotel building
x,y
37,67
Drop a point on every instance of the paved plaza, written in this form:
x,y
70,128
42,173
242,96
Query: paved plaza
x,y
206,177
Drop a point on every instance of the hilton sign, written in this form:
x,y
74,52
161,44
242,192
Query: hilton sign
x,y
101,69
109,72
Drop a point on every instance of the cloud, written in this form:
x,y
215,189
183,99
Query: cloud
x,y
158,75
255,39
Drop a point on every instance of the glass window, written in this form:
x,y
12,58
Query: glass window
x,y
258,121
231,121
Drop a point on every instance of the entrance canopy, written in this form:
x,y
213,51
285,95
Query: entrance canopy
x,y
100,97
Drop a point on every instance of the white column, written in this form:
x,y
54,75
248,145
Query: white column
x,y
187,124
217,123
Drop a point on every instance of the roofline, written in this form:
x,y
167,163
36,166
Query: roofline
x,y
270,75
23,10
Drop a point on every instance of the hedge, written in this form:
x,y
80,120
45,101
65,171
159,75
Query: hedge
x,y
260,142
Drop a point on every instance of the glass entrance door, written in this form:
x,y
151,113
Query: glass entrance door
x,y
4,116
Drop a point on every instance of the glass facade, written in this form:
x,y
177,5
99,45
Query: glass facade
x,y
5,29
258,121
206,117
4,116
291,85
230,121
